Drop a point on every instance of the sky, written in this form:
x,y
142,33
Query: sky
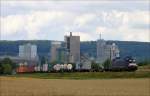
x,y
50,20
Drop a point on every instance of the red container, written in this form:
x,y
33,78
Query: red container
x,y
22,69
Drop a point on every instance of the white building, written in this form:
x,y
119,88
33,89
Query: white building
x,y
45,67
28,52
114,51
85,63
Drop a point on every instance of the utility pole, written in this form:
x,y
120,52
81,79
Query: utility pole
x,y
110,56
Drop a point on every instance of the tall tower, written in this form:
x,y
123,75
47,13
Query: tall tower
x,y
54,46
100,36
73,47
100,49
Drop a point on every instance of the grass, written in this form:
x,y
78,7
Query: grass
x,y
86,75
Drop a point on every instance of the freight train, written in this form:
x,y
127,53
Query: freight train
x,y
118,64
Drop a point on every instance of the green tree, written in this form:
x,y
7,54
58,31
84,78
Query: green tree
x,y
7,68
107,64
1,70
8,61
95,66
43,60
54,62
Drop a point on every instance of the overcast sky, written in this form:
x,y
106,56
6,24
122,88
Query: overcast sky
x,y
51,20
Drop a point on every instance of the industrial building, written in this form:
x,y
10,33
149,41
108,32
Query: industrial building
x,y
28,52
106,51
54,46
62,55
73,47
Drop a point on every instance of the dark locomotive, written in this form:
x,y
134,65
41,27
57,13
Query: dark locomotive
x,y
126,64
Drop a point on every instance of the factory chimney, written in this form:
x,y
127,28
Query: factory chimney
x,y
70,33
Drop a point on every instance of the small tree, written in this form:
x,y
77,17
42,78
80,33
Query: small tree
x,y
43,60
95,66
107,64
7,68
1,71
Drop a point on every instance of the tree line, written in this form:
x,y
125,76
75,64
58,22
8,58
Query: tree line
x,y
7,66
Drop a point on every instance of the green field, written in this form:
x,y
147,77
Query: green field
x,y
86,75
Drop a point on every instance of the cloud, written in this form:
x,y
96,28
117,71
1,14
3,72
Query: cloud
x,y
113,19
24,6
51,20
84,19
11,24
139,19
31,23
37,20
135,34
127,26
137,15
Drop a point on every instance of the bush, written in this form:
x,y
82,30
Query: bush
x,y
7,66
146,62
1,70
96,67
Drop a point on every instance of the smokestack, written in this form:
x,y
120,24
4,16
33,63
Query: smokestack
x,y
70,33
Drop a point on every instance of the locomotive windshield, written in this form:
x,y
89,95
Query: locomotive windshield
x,y
130,59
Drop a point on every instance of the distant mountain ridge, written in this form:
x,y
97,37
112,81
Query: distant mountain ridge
x,y
139,50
